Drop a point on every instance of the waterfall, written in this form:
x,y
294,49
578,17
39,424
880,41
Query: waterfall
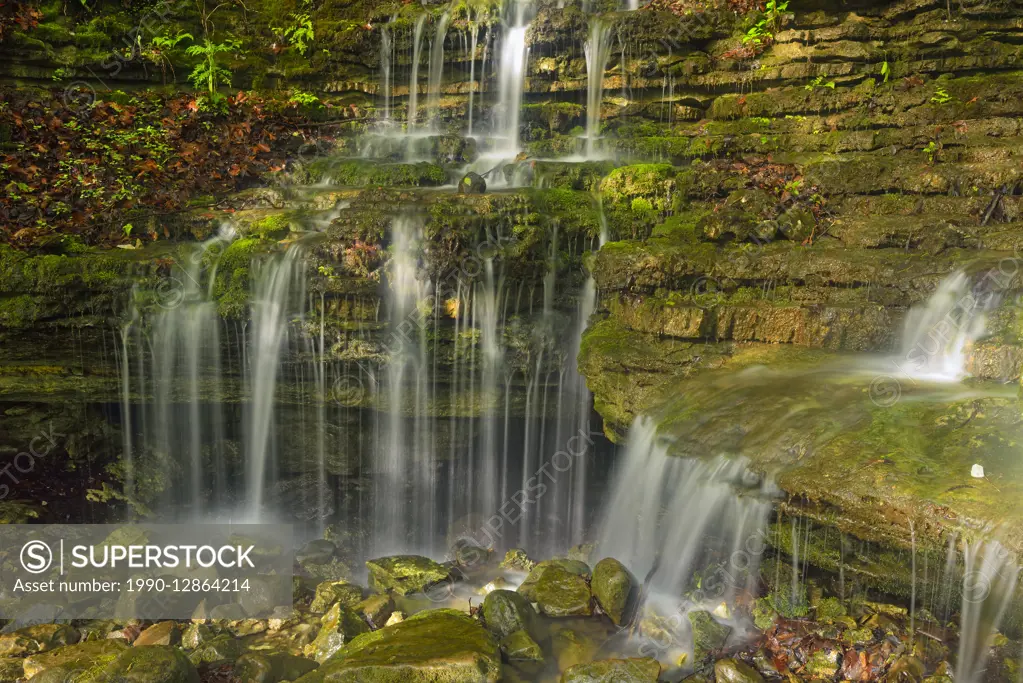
x,y
511,74
275,282
436,71
598,50
988,586
413,81
937,334
474,32
665,512
386,49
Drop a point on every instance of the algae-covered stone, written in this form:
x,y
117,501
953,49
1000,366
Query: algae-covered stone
x,y
829,609
38,638
149,664
405,574
519,646
614,588
505,612
823,664
435,646
330,592
340,626
219,650
708,634
633,670
74,659
734,671
472,183
572,647
195,635
557,591
376,609
271,668
11,669
516,558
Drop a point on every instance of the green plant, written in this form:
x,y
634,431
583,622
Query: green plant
x,y
158,48
941,96
931,150
299,33
127,229
303,99
208,73
819,83
886,70
792,187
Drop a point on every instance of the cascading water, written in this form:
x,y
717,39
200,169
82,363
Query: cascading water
x,y
937,335
511,73
436,72
386,61
989,584
279,282
598,50
413,81
669,515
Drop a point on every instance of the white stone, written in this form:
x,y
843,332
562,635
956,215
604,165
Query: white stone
x,y
977,471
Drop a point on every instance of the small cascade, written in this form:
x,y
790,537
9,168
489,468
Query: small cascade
x,y
598,51
278,283
670,515
413,81
511,74
989,582
436,72
474,34
937,334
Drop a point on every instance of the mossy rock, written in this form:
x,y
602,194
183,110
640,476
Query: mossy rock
x,y
222,649
11,669
376,609
614,587
38,638
517,559
506,611
708,634
75,661
633,670
735,671
330,592
405,574
150,664
519,646
435,646
557,591
364,173
571,647
340,626
255,667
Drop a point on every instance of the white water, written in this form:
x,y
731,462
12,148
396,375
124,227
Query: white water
x,y
436,72
511,75
667,513
386,62
937,335
598,50
989,582
413,81
278,283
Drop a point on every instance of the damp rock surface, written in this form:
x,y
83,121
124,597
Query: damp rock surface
x,y
405,574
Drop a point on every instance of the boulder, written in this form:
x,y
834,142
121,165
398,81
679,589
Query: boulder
x,y
38,638
520,647
329,592
435,646
340,626
195,635
708,634
557,591
223,649
376,609
149,664
271,668
11,669
164,633
472,183
74,659
734,671
634,670
517,559
573,647
505,612
614,587
405,574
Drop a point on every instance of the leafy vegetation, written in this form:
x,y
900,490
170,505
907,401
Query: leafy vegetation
x,y
209,74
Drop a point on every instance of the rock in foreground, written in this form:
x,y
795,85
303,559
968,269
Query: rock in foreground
x,y
405,574
637,670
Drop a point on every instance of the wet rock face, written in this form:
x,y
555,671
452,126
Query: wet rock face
x,y
636,670
557,590
505,612
149,664
340,626
435,646
614,587
405,574
75,660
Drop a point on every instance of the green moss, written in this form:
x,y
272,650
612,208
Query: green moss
x,y
231,286
362,173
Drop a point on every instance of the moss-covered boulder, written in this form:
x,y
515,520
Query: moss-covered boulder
x,y
633,670
11,669
73,660
340,626
330,592
519,646
708,634
614,587
557,591
735,671
222,649
256,667
517,559
38,638
405,574
435,646
376,609
149,664
505,612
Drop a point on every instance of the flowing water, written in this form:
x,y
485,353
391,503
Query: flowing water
x,y
598,50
